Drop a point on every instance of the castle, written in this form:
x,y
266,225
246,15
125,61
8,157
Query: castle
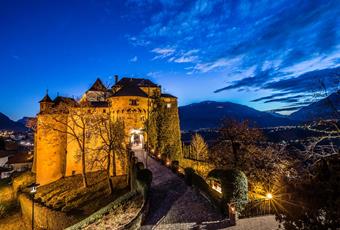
x,y
130,100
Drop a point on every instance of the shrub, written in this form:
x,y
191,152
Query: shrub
x,y
163,158
145,175
23,180
6,207
188,172
139,166
143,182
234,185
174,166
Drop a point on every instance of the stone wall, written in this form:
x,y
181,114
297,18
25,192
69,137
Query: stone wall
x,y
44,218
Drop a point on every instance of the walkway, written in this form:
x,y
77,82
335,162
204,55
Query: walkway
x,y
174,205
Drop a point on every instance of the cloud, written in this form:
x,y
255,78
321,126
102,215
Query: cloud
x,y
269,97
287,109
134,59
162,53
253,44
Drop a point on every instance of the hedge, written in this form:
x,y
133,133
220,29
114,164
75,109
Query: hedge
x,y
234,186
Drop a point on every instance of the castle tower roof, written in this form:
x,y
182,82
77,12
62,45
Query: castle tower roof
x,y
46,99
130,90
140,82
98,86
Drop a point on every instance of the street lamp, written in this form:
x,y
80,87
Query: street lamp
x,y
33,191
269,197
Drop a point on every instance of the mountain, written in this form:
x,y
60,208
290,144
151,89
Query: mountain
x,y
326,108
8,124
28,122
208,114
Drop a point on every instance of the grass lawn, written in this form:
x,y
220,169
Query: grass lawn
x,y
69,195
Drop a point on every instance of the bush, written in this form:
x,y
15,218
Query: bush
x,y
188,172
6,207
174,166
139,166
234,185
143,181
23,180
145,175
163,158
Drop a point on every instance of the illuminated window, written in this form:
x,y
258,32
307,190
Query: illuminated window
x,y
168,105
133,102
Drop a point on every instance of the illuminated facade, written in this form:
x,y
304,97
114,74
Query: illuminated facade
x,y
130,99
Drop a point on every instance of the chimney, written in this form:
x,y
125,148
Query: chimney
x,y
116,79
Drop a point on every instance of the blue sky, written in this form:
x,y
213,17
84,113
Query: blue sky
x,y
265,54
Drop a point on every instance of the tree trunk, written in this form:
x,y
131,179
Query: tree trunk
x,y
114,168
83,166
83,171
108,173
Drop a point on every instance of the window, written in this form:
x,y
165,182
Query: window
x,y
168,105
104,110
133,102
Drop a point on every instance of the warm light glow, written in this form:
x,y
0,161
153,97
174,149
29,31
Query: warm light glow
x,y
33,190
168,163
159,155
232,209
269,196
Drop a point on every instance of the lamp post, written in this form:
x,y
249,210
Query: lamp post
x,y
232,213
33,191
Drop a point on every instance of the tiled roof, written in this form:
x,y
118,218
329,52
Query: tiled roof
x,y
131,90
140,82
66,100
98,86
167,95
46,99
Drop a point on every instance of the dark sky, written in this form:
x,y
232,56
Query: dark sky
x,y
264,54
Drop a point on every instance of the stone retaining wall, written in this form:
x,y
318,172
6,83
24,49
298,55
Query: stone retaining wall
x,y
44,218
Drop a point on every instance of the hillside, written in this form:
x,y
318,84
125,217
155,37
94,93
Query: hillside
x,y
208,114
327,108
7,124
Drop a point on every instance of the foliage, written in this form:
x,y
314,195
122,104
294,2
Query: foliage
x,y
139,166
188,174
163,129
21,181
198,148
239,147
234,186
174,166
313,200
6,207
145,175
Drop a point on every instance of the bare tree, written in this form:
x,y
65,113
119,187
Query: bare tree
x,y
112,136
78,123
234,139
